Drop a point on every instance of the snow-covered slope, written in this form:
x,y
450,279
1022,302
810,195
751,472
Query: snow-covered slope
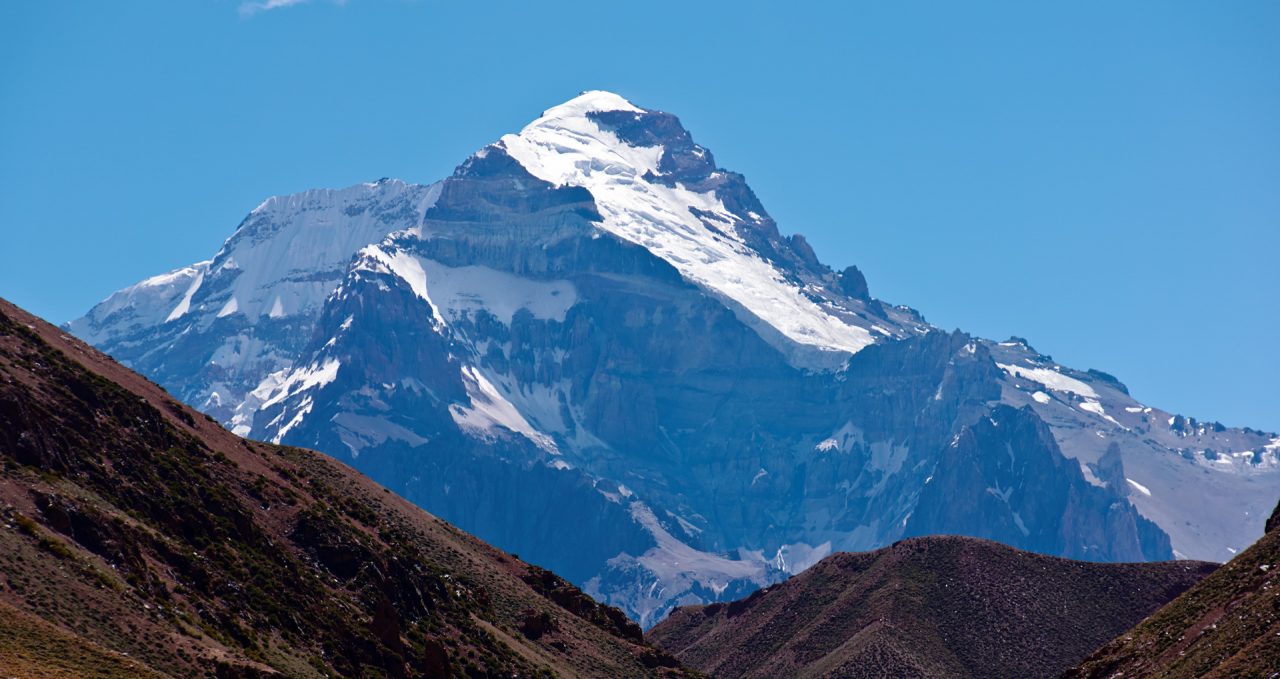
x,y
285,258
592,346
141,306
214,330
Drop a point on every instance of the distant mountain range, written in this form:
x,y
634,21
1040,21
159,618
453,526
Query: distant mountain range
x,y
593,347
926,607
140,539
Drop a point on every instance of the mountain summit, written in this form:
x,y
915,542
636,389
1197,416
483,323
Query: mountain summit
x,y
592,346
656,188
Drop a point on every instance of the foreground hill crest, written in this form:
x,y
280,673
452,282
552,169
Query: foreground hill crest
x,y
940,606
589,318
1227,625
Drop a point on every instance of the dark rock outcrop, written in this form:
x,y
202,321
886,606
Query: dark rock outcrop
x,y
854,284
1110,470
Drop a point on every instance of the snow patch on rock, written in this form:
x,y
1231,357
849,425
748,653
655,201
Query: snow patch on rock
x,y
1051,379
677,567
1139,487
490,410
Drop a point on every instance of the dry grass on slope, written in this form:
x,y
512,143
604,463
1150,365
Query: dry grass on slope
x,y
1228,625
925,607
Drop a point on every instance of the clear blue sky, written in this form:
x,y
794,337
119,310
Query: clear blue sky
x,y
1103,178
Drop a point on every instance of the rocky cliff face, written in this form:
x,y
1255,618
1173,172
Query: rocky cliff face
x,y
1031,497
592,346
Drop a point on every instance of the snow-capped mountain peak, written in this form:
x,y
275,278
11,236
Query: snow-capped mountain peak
x,y
592,345
565,145
585,143
577,108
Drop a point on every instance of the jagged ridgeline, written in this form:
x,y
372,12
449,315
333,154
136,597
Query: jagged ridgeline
x,y
141,539
594,347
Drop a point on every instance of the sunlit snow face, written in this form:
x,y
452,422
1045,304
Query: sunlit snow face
x,y
566,147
